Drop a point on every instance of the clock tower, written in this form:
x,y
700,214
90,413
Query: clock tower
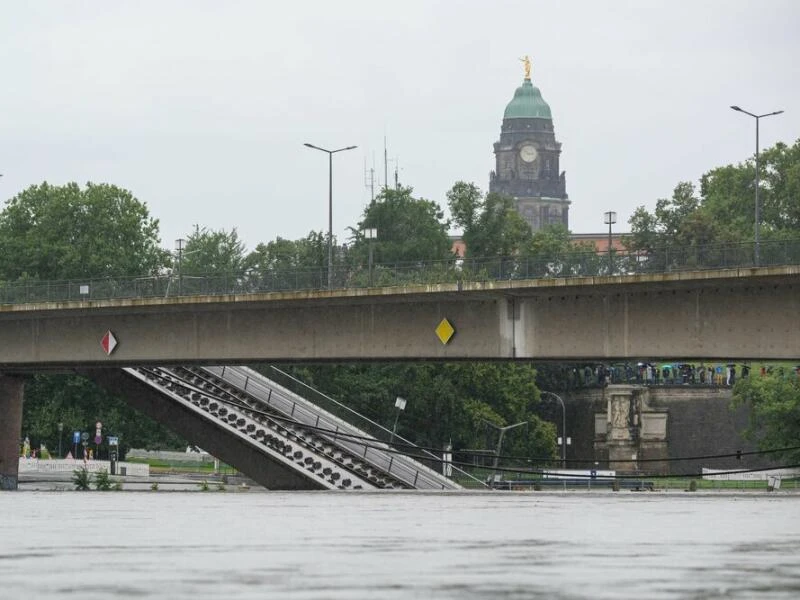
x,y
526,159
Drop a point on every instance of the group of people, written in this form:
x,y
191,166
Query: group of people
x,y
647,373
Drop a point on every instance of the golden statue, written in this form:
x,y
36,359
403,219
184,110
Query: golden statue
x,y
526,60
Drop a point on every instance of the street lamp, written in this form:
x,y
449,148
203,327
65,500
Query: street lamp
x,y
758,206
502,431
400,405
563,427
179,245
609,218
60,431
330,204
370,234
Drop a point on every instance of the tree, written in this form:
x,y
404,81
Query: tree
x,y
410,230
65,232
287,264
723,213
492,226
78,403
213,253
447,402
774,403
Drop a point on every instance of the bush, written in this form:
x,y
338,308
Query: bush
x,y
203,486
154,486
102,482
81,479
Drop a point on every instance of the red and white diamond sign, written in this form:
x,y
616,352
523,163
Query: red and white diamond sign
x,y
109,342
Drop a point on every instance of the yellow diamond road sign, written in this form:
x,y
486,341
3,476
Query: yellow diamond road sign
x,y
444,331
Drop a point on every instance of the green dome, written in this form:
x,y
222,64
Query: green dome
x,y
527,104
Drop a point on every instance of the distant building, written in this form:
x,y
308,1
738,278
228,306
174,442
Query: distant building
x,y
600,240
527,168
527,159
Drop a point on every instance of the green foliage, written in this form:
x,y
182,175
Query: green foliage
x,y
774,403
82,479
285,264
203,485
65,232
447,402
78,403
410,230
212,253
724,210
102,482
492,226
154,486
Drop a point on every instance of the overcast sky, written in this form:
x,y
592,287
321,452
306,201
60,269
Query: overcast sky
x,y
201,108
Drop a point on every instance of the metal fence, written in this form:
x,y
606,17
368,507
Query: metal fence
x,y
563,265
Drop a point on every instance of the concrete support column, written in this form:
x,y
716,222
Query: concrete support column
x,y
11,387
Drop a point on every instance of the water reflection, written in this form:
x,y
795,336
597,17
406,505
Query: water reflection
x,y
399,545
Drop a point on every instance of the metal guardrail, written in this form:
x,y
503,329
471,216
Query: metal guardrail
x,y
564,265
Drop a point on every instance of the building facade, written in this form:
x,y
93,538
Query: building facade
x,y
527,160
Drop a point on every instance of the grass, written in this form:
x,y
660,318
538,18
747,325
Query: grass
x,y
165,466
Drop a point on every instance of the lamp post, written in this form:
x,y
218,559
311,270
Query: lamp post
x,y
400,405
370,234
179,244
502,431
330,204
756,256
609,218
60,431
563,427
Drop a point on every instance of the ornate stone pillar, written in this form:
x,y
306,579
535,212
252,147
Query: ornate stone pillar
x,y
622,437
11,387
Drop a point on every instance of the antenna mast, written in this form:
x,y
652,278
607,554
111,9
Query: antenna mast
x,y
385,166
369,179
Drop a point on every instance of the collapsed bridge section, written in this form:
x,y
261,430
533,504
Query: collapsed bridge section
x,y
269,433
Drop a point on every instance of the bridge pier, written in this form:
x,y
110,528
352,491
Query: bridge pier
x,y
11,388
635,431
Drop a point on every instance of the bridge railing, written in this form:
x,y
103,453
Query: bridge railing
x,y
366,424
563,265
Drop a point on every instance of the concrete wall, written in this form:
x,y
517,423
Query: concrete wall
x,y
699,421
37,465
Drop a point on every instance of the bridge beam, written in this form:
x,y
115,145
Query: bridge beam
x,y
11,391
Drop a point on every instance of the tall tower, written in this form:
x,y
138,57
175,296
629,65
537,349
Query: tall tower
x,y
526,159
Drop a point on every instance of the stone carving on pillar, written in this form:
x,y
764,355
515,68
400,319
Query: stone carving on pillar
x,y
634,430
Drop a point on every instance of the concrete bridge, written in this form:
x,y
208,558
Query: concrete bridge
x,y
727,314
741,313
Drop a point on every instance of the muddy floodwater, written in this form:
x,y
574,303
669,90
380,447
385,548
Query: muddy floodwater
x,y
349,545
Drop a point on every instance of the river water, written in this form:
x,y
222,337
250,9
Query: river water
x,y
260,544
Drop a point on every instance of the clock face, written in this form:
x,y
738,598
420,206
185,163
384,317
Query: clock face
x,y
528,153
